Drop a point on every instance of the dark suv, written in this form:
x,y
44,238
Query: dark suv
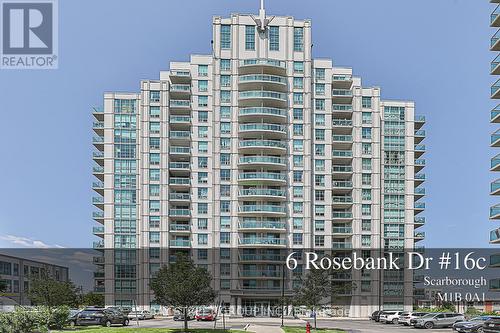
x,y
101,316
492,325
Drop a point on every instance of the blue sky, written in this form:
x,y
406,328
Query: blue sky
x,y
432,52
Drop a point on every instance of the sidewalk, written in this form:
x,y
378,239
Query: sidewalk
x,y
264,329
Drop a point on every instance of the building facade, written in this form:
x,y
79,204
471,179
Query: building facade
x,y
495,139
256,150
15,273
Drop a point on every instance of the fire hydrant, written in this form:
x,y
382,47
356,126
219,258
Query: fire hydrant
x,y
308,327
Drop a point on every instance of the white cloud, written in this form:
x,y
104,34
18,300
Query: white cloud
x,y
27,242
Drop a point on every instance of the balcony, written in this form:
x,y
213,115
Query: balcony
x,y
419,164
98,127
98,260
98,231
265,161
180,90
262,129
419,150
262,225
495,90
495,163
494,285
180,228
179,150
180,104
495,187
262,81
419,121
495,212
341,216
251,178
341,201
495,260
98,245
98,216
263,113
179,166
342,185
180,120
419,178
256,193
495,236
342,169
262,241
256,146
179,212
342,141
337,231
98,187
342,156
342,122
98,202
98,157
495,17
342,81
266,274
98,113
179,181
276,210
343,110
419,221
495,115
419,207
342,96
342,245
180,135
98,142
180,76
418,236
495,139
494,42
419,136
262,66
418,192
261,257
175,196
257,97
180,243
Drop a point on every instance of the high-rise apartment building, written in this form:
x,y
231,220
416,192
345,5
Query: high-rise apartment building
x,y
252,151
495,139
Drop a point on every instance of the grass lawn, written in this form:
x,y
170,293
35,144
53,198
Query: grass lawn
x,y
99,329
289,329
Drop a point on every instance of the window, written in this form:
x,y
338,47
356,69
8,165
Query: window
x,y
319,149
319,73
225,112
225,206
319,119
319,210
366,102
298,191
366,194
298,114
202,208
225,269
202,254
319,104
298,98
203,131
202,239
319,165
203,85
154,237
225,128
297,176
154,206
225,190
225,238
298,67
274,38
366,179
225,159
366,164
154,143
225,143
154,190
154,96
320,88
225,80
154,253
366,240
225,37
225,96
203,116
202,162
202,70
225,64
319,134
366,133
249,37
225,254
298,207
298,83
298,145
319,195
366,209
202,192
297,239
202,101
319,240
225,284
298,39
203,224
366,286
154,174
366,225
366,118
225,222
154,111
154,127
298,223
298,129
203,147
154,159
225,174
5,268
298,160
366,148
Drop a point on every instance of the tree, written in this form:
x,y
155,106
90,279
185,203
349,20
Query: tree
x,y
93,299
314,289
182,285
44,290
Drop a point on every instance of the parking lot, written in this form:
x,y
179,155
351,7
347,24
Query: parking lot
x,y
350,325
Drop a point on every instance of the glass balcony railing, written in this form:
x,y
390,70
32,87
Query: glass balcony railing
x,y
419,147
263,127
181,73
97,215
342,153
180,150
97,109
495,235
266,62
180,119
97,200
179,165
494,14
342,122
261,175
342,168
495,161
180,134
97,154
97,139
262,225
341,107
420,133
180,88
341,199
420,176
342,215
98,169
261,257
262,208
342,230
495,186
342,78
180,103
179,181
420,162
98,230
495,113
419,219
341,245
98,124
262,143
262,94
262,241
262,192
179,196
98,245
179,227
261,159
180,242
342,184
495,284
419,190
494,39
419,235
262,78
495,136
494,211
179,212
342,92
342,138
97,185
262,111
419,205
495,87
495,63
420,119
260,273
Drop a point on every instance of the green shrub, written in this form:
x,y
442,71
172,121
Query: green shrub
x,y
34,320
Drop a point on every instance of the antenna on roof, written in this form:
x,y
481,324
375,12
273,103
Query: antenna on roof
x,y
262,16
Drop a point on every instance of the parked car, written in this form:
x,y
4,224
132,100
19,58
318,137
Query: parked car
x,y
435,320
206,315
406,317
473,325
375,314
492,325
141,315
100,316
390,317
72,317
180,317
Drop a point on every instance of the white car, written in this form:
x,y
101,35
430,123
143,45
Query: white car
x,y
390,317
141,315
406,317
